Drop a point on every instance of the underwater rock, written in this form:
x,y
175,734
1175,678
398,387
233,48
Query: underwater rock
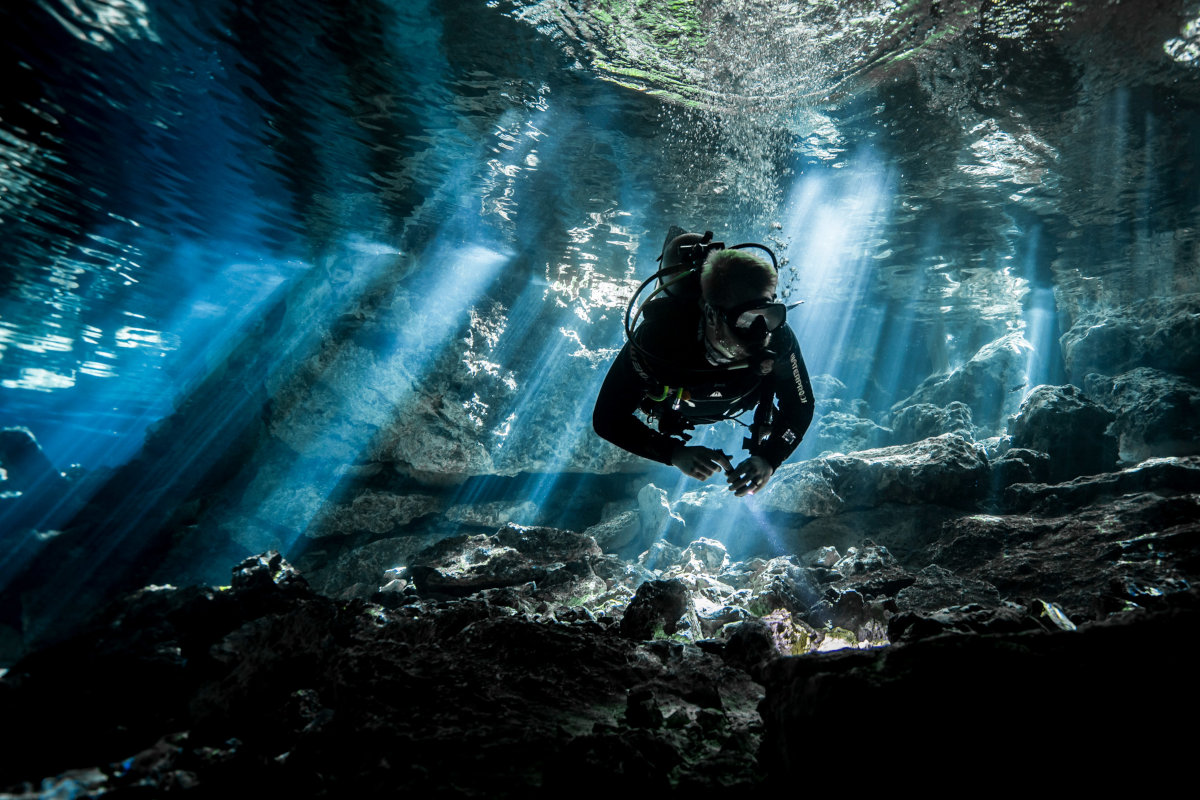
x,y
1091,559
989,383
869,572
248,689
995,446
1020,465
936,587
869,558
462,565
493,514
789,635
923,420
909,626
748,644
1063,423
661,555
987,690
1157,413
361,571
659,521
618,533
945,470
903,529
704,555
846,433
655,610
826,388
373,512
782,583
1161,475
1162,333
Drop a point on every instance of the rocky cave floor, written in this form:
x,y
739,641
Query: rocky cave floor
x,y
530,660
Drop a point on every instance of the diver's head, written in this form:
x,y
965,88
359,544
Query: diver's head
x,y
740,312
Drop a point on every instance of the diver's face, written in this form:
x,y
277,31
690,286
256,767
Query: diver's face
x,y
723,344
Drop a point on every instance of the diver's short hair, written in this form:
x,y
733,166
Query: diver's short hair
x,y
734,276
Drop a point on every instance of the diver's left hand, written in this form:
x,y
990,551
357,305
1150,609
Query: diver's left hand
x,y
750,476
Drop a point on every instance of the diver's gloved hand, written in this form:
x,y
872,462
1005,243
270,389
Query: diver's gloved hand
x,y
750,476
699,462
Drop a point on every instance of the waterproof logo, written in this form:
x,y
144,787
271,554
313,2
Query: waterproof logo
x,y
796,377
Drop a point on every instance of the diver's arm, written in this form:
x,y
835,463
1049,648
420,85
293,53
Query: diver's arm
x,y
614,419
794,391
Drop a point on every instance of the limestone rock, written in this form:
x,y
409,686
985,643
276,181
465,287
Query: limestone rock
x,y
782,584
661,555
909,626
616,534
658,519
937,587
999,674
1092,561
1063,423
846,433
493,514
547,544
1162,332
360,571
1157,413
989,383
791,636
827,387
749,643
373,512
656,608
1020,465
945,469
705,555
462,565
923,420
248,686
1161,475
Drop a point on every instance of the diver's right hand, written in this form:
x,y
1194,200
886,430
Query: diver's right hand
x,y
699,462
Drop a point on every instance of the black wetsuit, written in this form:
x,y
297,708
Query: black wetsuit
x,y
672,333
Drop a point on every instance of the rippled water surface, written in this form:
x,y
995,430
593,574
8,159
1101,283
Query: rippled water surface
x,y
933,173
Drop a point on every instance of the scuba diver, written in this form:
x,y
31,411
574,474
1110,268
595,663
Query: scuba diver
x,y
713,343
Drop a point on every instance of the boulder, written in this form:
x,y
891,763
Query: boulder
x,y
705,555
782,584
659,521
1063,423
923,420
493,514
617,533
1019,465
1166,476
661,555
1162,332
463,565
1157,413
937,587
945,469
1133,549
989,383
655,610
847,433
373,512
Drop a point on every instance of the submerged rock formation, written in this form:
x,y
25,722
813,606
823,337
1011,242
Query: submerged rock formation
x,y
523,662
